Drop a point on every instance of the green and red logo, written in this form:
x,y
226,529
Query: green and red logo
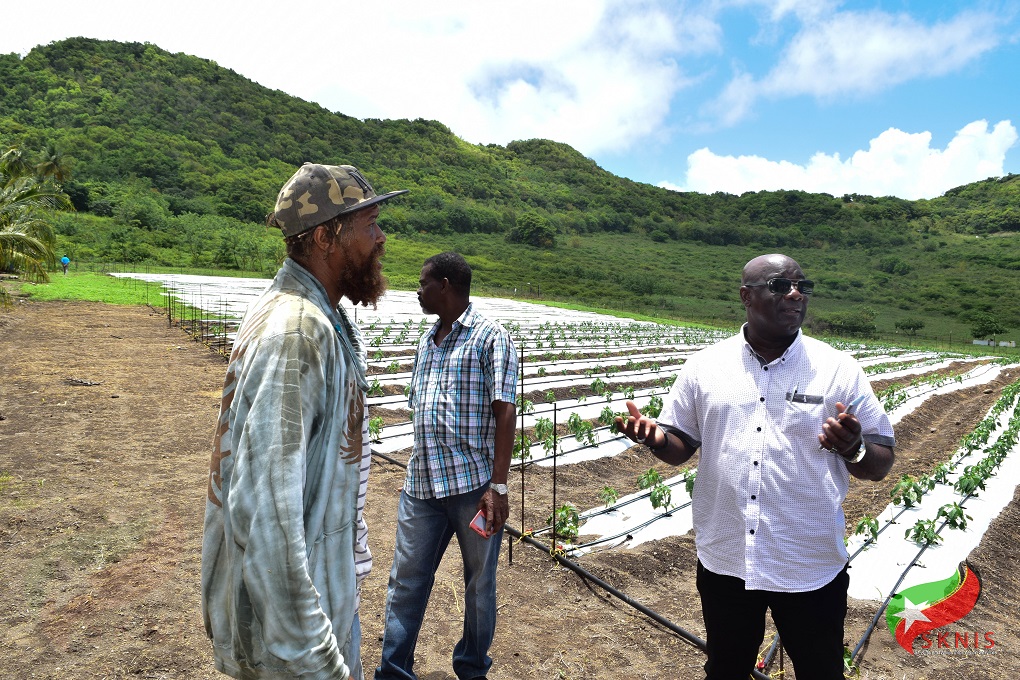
x,y
922,608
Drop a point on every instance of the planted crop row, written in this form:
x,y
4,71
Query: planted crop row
x,y
909,490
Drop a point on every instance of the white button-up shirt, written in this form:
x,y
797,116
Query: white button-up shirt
x,y
767,502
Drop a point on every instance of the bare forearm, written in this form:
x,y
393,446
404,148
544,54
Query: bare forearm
x,y
506,421
675,451
876,463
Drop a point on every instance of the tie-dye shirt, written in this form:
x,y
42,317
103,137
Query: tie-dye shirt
x,y
282,525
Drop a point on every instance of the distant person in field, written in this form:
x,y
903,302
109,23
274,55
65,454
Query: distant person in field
x,y
65,261
285,546
767,408
463,388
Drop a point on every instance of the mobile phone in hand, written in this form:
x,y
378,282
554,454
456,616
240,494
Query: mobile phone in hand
x,y
478,524
852,408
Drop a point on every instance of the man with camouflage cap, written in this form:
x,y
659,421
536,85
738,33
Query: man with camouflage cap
x,y
285,546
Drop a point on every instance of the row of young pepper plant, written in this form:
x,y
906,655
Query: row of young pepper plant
x,y
541,441
596,357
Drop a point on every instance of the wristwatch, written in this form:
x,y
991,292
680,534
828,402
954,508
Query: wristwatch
x,y
859,456
501,489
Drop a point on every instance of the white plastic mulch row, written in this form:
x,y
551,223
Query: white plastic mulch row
x,y
875,571
215,293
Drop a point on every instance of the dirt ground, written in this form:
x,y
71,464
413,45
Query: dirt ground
x,y
106,418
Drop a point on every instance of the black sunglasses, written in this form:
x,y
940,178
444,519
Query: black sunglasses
x,y
779,286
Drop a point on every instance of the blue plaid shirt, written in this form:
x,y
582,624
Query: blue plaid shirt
x,y
452,390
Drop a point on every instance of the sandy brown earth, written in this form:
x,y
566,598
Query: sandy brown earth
x,y
106,416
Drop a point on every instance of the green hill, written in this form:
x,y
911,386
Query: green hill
x,y
175,161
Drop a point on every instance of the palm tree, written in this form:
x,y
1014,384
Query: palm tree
x,y
27,240
53,165
13,163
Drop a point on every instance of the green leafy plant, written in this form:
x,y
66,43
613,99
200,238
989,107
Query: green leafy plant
x,y
850,669
649,479
524,405
375,389
653,408
522,449
955,517
375,426
941,473
867,525
565,521
907,492
970,482
581,429
661,496
613,428
608,496
923,532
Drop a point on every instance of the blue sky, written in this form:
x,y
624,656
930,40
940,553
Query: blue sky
x,y
883,97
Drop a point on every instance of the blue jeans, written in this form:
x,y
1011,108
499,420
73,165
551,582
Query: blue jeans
x,y
424,529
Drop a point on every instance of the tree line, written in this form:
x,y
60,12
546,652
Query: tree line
x,y
168,156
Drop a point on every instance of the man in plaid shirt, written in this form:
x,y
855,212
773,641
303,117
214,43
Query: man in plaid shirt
x,y
463,386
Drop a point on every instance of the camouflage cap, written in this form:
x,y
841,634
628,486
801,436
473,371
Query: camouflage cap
x,y
317,193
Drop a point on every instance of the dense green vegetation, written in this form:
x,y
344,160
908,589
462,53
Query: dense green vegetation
x,y
28,196
174,160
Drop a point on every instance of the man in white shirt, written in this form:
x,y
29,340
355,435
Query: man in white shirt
x,y
769,410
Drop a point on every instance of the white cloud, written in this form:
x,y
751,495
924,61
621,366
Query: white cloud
x,y
863,52
847,55
896,163
778,9
595,75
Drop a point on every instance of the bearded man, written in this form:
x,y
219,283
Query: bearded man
x,y
285,546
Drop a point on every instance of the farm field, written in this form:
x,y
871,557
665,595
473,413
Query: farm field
x,y
106,416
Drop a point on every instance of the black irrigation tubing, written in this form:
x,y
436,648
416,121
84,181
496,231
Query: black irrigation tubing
x,y
650,613
874,539
892,592
582,447
973,373
886,525
953,464
637,498
589,577
871,627
546,406
622,534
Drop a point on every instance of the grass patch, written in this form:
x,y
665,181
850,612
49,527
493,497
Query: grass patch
x,y
94,287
